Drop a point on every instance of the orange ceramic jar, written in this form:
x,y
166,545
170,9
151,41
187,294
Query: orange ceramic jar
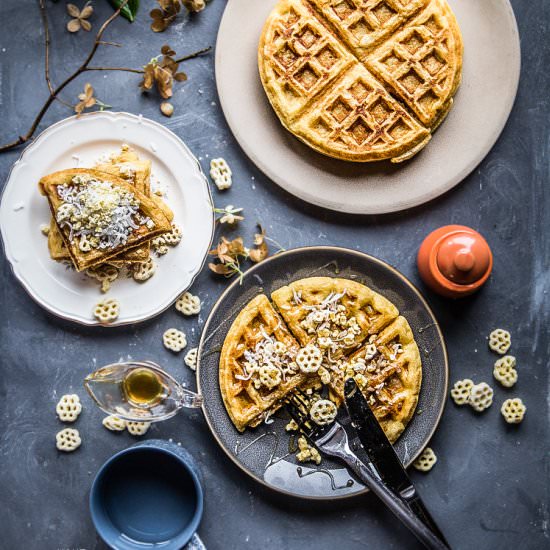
x,y
455,261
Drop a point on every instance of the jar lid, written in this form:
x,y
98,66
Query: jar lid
x,y
464,257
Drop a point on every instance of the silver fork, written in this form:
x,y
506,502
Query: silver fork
x,y
332,440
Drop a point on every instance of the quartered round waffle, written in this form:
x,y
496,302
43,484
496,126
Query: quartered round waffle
x,y
361,80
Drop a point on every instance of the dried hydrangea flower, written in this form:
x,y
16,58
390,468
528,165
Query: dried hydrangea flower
x,y
114,423
513,410
481,396
162,70
260,250
309,359
68,440
426,461
323,411
79,17
137,428
230,214
107,311
163,17
505,371
188,304
221,173
68,408
174,340
500,340
190,358
461,391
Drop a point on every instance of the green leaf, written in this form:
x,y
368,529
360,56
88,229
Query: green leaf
x,y
129,11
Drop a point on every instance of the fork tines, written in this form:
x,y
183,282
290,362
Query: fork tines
x,y
298,407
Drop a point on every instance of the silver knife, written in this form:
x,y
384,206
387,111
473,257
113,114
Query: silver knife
x,y
382,456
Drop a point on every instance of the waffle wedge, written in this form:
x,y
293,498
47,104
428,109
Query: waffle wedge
x,y
390,379
246,401
82,260
320,303
361,80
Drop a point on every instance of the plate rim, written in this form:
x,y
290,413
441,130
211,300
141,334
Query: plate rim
x,y
425,198
324,248
24,283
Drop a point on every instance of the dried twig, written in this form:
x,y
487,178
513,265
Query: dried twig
x,y
54,91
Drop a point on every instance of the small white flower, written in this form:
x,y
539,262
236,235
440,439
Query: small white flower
x,y
230,214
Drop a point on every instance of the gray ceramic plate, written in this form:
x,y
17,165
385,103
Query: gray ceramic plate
x,y
481,108
263,452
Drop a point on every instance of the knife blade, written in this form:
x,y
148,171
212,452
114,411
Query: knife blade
x,y
382,455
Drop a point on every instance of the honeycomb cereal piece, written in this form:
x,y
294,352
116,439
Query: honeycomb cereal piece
x,y
159,245
68,408
191,358
138,428
188,304
107,310
513,410
145,270
505,371
221,173
68,440
426,461
114,423
500,341
270,376
323,412
105,274
461,391
309,359
481,396
174,237
174,340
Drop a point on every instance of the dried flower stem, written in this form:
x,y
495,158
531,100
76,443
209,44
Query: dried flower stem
x,y
54,91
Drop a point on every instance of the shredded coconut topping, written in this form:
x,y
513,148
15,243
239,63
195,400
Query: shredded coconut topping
x,y
101,215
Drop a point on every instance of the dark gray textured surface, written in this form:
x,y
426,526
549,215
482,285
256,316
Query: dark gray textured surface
x,y
490,486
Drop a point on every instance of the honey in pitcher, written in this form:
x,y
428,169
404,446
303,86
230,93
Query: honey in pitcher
x,y
143,387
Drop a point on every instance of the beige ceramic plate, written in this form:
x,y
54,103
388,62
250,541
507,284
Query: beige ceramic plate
x,y
482,106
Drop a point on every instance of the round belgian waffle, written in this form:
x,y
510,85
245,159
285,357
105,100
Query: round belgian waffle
x,y
361,80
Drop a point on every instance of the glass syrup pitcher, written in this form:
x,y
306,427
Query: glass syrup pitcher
x,y
140,391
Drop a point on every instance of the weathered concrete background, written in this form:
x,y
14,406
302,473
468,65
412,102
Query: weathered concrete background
x,y
490,486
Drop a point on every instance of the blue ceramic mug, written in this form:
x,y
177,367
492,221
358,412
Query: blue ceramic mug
x,y
148,495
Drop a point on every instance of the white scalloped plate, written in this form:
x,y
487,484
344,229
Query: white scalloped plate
x,y
481,109
80,142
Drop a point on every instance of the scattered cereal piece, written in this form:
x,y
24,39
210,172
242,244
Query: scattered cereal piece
x,y
145,270
174,340
68,408
188,304
269,376
481,396
221,173
500,341
191,358
309,358
461,391
45,229
105,274
107,310
426,461
323,412
114,423
307,452
513,410
159,246
68,440
174,237
505,371
292,426
324,374
138,428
